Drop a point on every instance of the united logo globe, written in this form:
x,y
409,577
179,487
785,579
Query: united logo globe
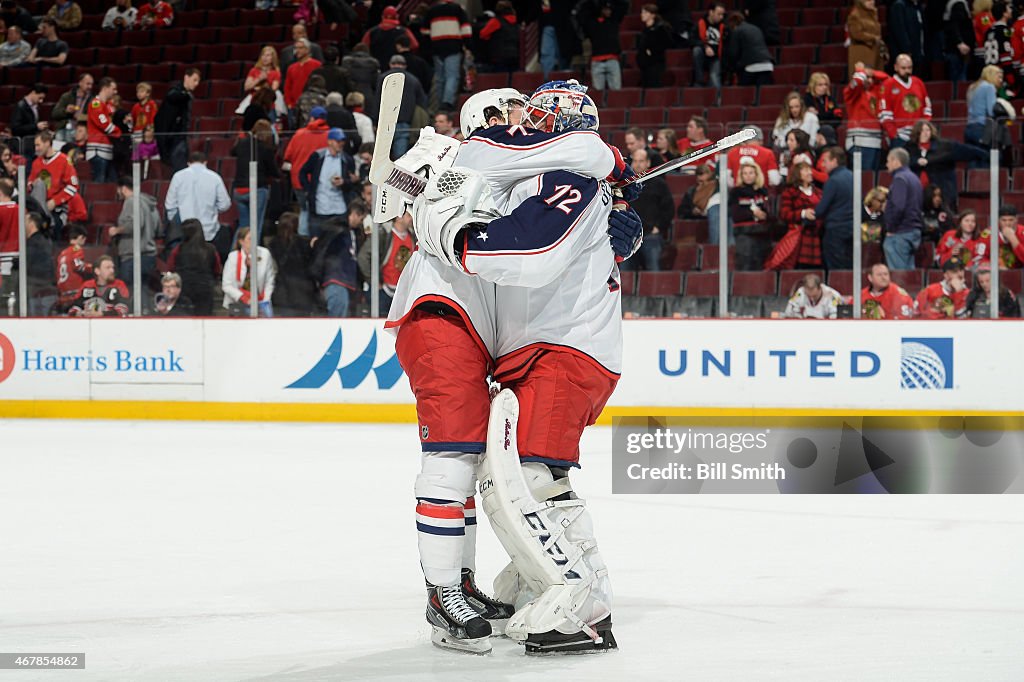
x,y
921,367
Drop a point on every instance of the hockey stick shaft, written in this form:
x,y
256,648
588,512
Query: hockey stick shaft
x,y
693,157
381,165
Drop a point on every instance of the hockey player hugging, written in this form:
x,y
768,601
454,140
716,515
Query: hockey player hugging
x,y
515,279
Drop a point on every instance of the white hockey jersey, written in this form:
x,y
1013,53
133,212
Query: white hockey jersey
x,y
505,156
558,284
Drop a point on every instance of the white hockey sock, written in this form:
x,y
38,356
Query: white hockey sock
x,y
469,545
441,531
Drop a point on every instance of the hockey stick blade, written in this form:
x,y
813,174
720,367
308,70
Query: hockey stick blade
x,y
390,102
693,157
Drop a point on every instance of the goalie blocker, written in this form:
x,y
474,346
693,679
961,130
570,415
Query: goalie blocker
x,y
546,530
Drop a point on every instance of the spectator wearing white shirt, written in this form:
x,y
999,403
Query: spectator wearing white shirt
x,y
120,17
814,300
198,192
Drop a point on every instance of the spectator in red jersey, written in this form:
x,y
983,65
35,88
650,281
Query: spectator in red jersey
x,y
755,150
982,18
696,135
305,141
999,45
962,242
796,209
865,34
58,183
862,96
143,111
72,269
104,295
102,131
945,300
651,45
936,215
748,210
904,102
8,221
157,14
794,116
883,300
666,144
288,53
381,38
1011,235
266,72
1017,39
396,246
297,75
818,99
707,54
979,300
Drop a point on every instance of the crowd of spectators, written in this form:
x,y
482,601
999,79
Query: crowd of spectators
x,y
306,113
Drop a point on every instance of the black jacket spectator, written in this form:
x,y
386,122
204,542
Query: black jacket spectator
x,y
906,30
959,27
335,76
761,13
295,290
744,45
415,64
340,117
651,45
412,95
24,123
39,255
363,70
603,32
173,119
655,207
267,169
309,176
13,15
499,38
197,262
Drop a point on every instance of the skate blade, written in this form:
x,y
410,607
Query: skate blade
x,y
442,639
498,627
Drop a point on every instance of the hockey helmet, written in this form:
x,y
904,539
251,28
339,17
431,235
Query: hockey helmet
x,y
482,106
558,106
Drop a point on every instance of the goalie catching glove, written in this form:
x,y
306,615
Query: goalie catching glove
x,y
455,200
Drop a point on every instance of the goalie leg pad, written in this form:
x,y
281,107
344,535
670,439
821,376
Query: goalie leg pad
x,y
547,532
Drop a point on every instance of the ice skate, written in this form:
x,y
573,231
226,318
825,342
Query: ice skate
x,y
555,642
495,612
455,624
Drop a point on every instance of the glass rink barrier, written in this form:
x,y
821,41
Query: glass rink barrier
x,y
743,235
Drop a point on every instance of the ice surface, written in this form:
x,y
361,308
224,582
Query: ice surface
x,y
179,551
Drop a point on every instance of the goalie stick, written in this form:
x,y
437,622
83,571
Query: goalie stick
x,y
693,157
390,102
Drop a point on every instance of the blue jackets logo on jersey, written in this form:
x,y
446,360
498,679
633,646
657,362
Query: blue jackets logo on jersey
x,y
354,373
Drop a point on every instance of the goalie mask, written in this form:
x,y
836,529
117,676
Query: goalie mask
x,y
558,106
483,106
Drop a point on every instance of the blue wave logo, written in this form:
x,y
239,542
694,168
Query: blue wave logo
x,y
354,373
